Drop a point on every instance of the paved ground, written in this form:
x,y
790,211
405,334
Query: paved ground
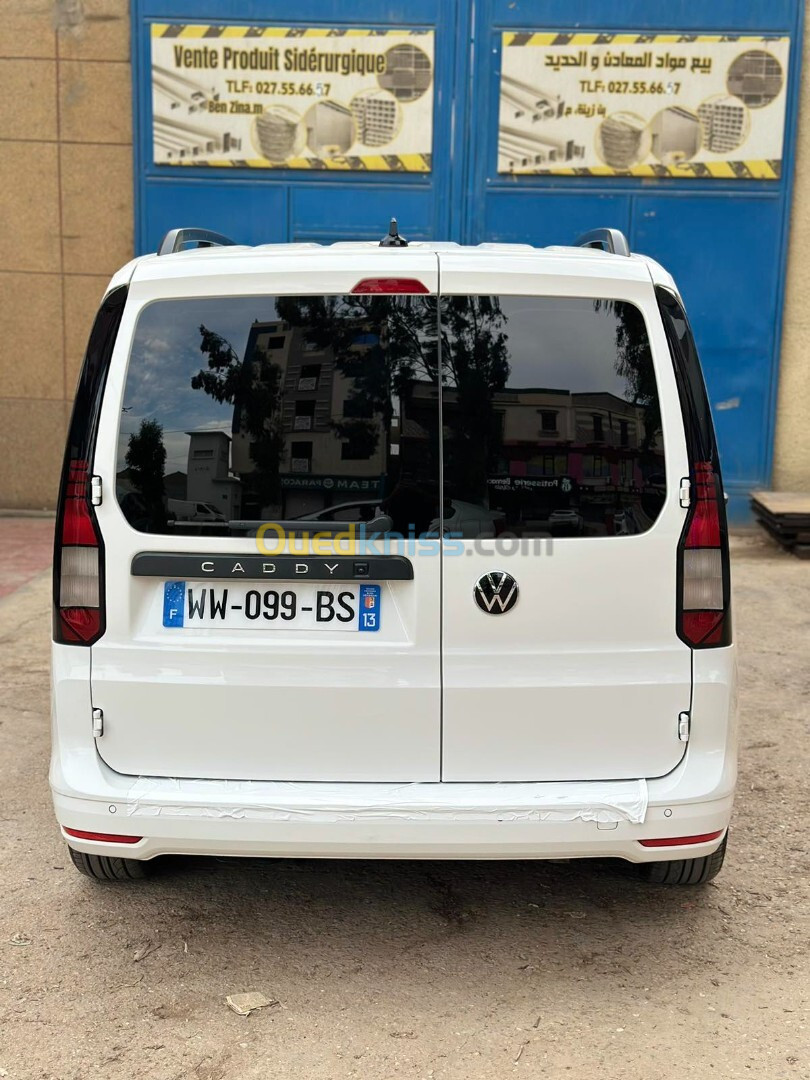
x,y
26,548
452,971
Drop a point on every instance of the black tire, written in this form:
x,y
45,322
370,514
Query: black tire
x,y
684,871
109,868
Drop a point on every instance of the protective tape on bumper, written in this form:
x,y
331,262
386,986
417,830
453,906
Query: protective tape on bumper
x,y
319,802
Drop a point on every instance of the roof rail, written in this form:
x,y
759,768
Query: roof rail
x,y
612,240
176,239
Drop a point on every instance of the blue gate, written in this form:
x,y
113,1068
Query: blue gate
x,y
724,240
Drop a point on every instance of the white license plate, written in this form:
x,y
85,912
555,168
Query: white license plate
x,y
190,604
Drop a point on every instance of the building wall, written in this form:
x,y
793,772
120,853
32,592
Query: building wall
x,y
66,222
791,470
65,217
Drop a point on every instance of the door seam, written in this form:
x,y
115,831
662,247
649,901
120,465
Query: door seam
x,y
440,373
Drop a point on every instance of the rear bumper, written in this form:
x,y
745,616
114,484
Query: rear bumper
x,y
264,820
419,821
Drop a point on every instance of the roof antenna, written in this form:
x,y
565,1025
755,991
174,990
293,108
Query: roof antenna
x,y
393,239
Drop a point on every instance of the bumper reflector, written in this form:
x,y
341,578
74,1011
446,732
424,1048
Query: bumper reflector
x,y
104,837
679,841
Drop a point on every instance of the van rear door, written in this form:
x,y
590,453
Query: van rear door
x,y
264,386
562,424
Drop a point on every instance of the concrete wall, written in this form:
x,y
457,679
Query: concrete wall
x,y
66,225
791,470
65,217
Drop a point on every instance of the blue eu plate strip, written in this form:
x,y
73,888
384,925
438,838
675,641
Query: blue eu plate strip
x,y
369,615
174,602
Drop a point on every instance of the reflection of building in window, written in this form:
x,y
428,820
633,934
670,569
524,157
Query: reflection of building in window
x,y
594,465
548,420
328,467
304,415
522,452
301,457
308,377
723,124
209,479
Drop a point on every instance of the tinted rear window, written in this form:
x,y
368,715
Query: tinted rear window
x,y
328,409
551,416
281,409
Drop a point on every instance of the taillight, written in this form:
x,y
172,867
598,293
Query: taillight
x,y
704,619
78,551
77,562
390,285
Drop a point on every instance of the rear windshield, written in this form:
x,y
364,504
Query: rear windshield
x,y
241,410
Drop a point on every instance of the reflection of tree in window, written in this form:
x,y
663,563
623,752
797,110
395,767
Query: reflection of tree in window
x,y
548,420
598,432
254,388
385,348
476,366
634,363
395,347
146,462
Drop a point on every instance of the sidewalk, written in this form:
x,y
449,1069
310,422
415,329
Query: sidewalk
x,y
26,549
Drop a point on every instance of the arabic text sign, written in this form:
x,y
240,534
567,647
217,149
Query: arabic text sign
x,y
642,104
302,98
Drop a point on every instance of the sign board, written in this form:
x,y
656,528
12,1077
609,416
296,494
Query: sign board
x,y
292,98
635,104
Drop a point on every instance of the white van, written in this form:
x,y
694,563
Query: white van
x,y
556,679
185,510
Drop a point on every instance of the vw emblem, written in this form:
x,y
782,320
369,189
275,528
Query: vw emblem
x,y
496,592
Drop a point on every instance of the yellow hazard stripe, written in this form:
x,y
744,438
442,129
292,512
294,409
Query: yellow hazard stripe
x,y
563,40
360,163
723,170
213,31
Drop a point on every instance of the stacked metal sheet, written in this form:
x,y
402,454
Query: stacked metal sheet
x,y
786,517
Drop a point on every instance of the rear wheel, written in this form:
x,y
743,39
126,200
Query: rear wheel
x,y
108,867
684,871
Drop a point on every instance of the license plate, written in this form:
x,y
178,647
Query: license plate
x,y
236,607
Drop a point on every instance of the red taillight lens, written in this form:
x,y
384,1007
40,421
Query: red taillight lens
x,y
390,285
106,837
704,527
703,604
77,562
80,625
682,841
